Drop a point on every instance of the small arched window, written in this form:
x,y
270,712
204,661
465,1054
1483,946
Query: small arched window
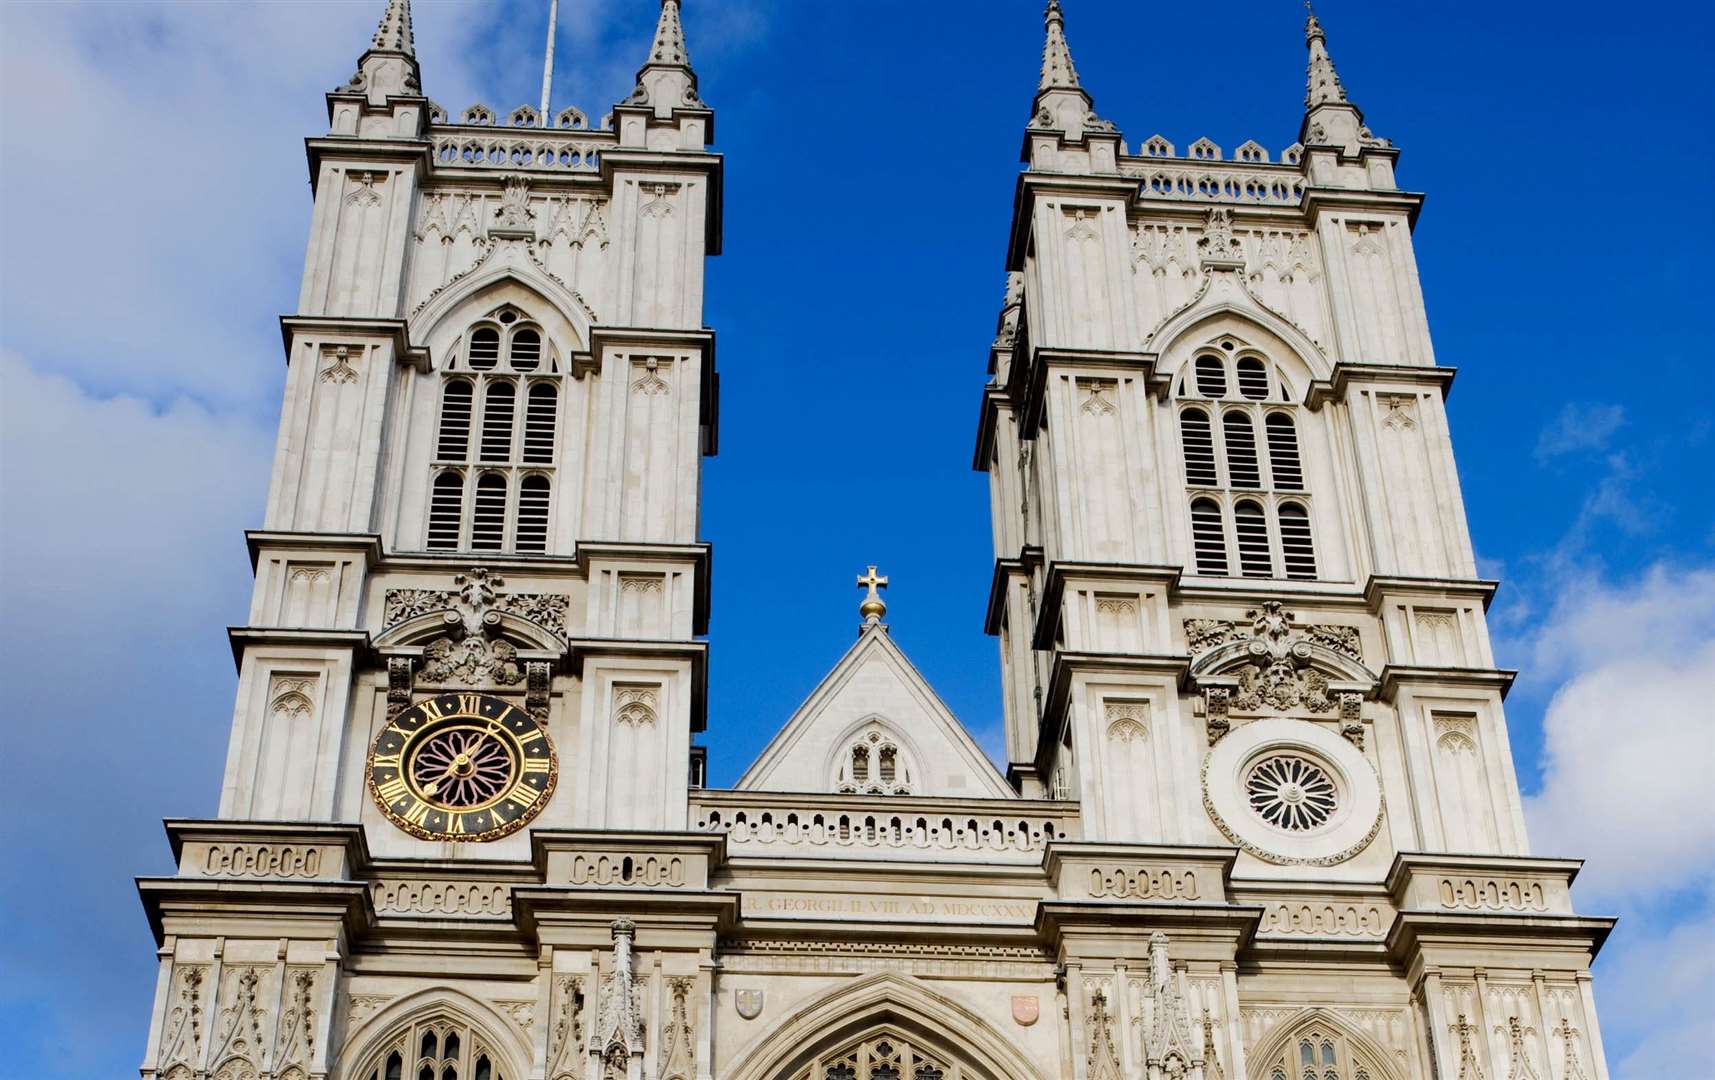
x,y
484,351
541,418
1284,463
873,764
1250,505
454,441
446,510
1199,444
500,409
1320,1052
1250,524
1211,376
1208,538
1243,470
488,517
1253,378
1295,545
533,499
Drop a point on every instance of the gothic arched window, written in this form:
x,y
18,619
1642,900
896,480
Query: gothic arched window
x,y
499,409
1319,1052
1238,430
438,1048
874,764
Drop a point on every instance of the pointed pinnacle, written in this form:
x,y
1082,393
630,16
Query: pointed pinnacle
x,y
1324,82
1057,70
394,33
669,45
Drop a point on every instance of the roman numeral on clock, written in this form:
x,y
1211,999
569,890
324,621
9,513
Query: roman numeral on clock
x,y
391,791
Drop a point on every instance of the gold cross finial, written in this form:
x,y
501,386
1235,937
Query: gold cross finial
x,y
872,608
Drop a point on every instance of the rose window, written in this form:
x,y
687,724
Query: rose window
x,y
1291,793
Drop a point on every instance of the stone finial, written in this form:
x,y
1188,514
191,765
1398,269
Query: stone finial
x,y
666,81
1324,82
873,607
394,33
669,45
389,66
1058,72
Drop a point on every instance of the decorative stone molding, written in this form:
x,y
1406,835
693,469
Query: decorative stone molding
x,y
477,593
643,871
567,1034
1492,894
423,896
338,360
1504,885
264,860
678,1037
1269,663
931,830
401,676
634,706
538,680
1324,918
1143,883
805,957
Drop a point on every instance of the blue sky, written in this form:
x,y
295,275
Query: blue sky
x,y
154,211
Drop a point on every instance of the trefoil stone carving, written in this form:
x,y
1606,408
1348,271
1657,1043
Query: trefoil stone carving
x,y
340,370
239,1034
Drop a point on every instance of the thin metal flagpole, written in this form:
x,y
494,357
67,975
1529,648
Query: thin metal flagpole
x,y
548,62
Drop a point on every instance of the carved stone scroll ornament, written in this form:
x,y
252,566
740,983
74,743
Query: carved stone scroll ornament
x,y
476,595
1216,700
399,680
537,679
1274,668
1352,717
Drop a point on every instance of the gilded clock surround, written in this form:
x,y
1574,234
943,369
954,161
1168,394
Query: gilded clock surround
x,y
464,767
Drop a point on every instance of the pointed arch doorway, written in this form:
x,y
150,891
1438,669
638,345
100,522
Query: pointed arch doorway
x,y
883,1027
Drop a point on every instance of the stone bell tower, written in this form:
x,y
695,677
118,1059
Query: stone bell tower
x,y
480,587
1234,589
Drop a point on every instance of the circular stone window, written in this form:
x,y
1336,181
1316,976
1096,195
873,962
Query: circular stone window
x,y
1292,792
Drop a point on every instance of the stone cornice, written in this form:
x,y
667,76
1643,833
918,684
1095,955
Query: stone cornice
x,y
1029,393
1029,557
1031,185
696,653
700,555
1067,664
324,326
1334,387
367,544
415,153
701,341
988,415
310,909
1381,586
244,637
1054,588
1316,199
1395,676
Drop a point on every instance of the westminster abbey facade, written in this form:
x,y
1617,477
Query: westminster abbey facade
x,y
1258,819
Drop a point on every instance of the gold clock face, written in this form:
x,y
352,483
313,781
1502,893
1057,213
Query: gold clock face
x,y
462,767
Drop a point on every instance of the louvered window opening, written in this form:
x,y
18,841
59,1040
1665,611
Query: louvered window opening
x,y
491,485
1241,451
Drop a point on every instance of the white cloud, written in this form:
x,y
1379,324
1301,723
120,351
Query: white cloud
x,y
1580,427
1663,985
1629,756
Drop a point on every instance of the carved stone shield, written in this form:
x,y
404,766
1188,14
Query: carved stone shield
x,y
1025,1009
749,1004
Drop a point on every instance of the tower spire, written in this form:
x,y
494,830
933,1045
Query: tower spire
x,y
1324,82
388,68
1330,117
1058,72
669,45
666,79
394,33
